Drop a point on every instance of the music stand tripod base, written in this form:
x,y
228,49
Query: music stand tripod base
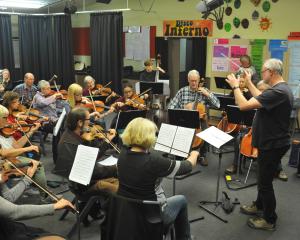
x,y
216,202
236,116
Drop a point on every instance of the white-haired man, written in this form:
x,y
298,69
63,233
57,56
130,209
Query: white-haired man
x,y
189,94
270,136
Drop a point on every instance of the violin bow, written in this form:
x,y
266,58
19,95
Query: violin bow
x,y
52,195
94,106
25,134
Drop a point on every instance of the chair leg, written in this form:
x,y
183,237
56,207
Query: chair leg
x,y
84,213
248,170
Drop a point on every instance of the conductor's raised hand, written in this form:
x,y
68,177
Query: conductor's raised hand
x,y
233,81
248,76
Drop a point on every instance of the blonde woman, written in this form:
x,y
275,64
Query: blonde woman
x,y
140,171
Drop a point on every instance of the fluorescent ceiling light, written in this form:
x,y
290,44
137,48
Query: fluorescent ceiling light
x,y
22,4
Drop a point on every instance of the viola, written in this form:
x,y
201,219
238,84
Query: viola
x,y
226,126
246,146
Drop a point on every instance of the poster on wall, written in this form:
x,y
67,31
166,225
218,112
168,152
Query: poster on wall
x,y
226,57
277,48
137,44
294,62
238,51
234,63
220,62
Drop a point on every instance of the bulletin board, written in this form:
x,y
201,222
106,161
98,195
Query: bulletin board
x,y
226,54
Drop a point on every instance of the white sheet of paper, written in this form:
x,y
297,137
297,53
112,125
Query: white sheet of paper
x,y
111,160
182,142
165,137
214,136
59,122
84,164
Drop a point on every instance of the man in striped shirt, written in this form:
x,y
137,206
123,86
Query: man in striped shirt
x,y
191,93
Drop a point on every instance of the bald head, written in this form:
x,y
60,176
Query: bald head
x,y
29,79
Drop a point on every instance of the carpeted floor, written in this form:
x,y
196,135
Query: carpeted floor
x,y
203,187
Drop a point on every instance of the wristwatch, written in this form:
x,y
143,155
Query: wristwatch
x,y
235,87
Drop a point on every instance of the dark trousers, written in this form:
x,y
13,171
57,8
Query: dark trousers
x,y
268,161
298,167
48,128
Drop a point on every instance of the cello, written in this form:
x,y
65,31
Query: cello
x,y
226,126
246,146
200,107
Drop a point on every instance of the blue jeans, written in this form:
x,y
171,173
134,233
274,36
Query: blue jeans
x,y
176,212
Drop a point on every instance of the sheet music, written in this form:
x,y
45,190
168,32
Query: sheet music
x,y
174,140
59,122
84,164
182,142
110,161
165,137
215,136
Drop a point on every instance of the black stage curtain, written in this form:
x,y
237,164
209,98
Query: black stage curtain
x,y
63,50
6,46
46,47
106,47
36,49
197,58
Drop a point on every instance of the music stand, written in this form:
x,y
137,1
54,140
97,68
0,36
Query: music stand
x,y
184,118
224,102
236,116
125,117
216,138
221,83
189,119
156,87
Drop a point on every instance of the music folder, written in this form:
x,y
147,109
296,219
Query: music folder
x,y
174,140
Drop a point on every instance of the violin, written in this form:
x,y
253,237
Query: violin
x,y
63,92
98,132
7,174
95,132
102,90
99,106
136,102
9,130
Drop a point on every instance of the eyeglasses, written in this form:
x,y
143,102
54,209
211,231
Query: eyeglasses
x,y
264,70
